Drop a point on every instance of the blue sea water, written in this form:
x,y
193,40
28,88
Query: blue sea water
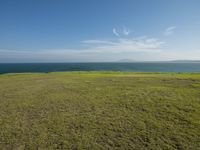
x,y
128,67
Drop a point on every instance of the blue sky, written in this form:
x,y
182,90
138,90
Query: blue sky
x,y
98,30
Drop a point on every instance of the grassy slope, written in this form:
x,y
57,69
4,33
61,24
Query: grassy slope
x,y
100,111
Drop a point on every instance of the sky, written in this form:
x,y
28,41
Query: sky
x,y
99,30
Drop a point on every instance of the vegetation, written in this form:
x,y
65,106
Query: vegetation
x,y
100,110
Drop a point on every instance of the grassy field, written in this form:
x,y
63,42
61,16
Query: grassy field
x,y
100,110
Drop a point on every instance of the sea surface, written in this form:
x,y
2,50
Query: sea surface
x,y
127,67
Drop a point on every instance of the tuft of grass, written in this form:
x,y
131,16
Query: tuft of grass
x,y
100,110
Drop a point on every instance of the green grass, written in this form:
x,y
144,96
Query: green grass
x,y
100,110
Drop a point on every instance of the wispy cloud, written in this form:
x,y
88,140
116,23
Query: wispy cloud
x,y
125,45
106,42
124,31
169,31
91,50
66,55
139,48
115,32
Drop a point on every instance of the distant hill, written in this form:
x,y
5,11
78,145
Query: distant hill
x,y
186,61
170,61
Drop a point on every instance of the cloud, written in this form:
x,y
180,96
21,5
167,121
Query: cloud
x,y
175,54
169,30
115,32
91,50
125,45
124,31
97,42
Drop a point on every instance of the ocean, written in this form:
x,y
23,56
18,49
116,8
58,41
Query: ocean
x,y
127,67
